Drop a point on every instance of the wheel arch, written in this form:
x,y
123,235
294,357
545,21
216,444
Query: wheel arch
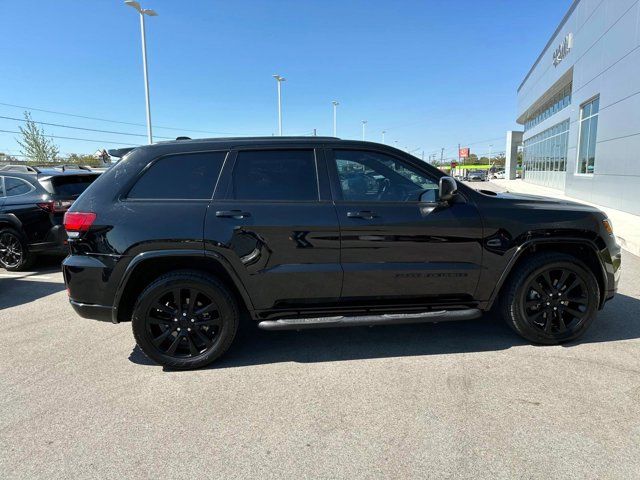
x,y
148,266
10,220
583,249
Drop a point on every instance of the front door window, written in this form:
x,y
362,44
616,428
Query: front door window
x,y
373,176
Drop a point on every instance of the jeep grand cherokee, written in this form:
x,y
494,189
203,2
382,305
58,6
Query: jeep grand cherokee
x,y
183,237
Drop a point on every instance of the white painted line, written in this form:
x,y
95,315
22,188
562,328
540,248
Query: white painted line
x,y
25,277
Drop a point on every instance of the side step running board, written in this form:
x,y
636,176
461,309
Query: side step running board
x,y
370,320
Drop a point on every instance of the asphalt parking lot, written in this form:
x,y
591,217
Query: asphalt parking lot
x,y
463,400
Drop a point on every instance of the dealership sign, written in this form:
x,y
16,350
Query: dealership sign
x,y
463,152
563,49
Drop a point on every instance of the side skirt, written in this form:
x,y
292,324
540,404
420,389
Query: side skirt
x,y
371,320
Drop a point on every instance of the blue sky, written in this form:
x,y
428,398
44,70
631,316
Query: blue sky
x,y
430,73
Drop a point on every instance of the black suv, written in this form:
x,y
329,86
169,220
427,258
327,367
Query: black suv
x,y
182,237
32,204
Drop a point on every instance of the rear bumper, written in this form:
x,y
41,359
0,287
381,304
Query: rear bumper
x,y
55,242
94,312
90,280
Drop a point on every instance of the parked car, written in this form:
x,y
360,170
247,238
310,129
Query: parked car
x,y
500,175
33,201
477,176
181,237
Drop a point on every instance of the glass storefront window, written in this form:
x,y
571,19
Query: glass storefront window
x,y
547,151
588,134
559,101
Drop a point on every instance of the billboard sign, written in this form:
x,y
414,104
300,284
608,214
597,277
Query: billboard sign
x,y
464,152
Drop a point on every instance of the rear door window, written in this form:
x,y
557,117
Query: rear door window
x,y
190,176
278,175
16,186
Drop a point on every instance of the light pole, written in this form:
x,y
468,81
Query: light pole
x,y
151,13
279,79
335,117
364,125
383,132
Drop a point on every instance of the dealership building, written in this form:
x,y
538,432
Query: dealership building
x,y
579,106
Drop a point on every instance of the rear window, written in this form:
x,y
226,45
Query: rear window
x,y
71,185
186,177
281,175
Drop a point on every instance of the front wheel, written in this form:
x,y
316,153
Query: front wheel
x,y
185,320
551,298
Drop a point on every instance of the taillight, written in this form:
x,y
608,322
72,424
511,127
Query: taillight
x,y
76,222
55,206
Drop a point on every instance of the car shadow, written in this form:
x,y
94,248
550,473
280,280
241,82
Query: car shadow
x,y
618,321
18,288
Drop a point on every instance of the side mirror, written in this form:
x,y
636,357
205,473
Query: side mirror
x,y
448,188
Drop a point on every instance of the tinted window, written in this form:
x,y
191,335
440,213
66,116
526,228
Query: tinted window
x,y
187,176
275,175
16,186
71,185
372,176
1,187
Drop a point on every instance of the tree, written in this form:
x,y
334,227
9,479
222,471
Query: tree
x,y
35,145
499,160
471,160
83,159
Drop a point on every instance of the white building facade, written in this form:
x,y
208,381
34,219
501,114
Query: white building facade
x,y
580,107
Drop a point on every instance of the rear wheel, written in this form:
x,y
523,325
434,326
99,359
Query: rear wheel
x,y
551,298
185,320
14,253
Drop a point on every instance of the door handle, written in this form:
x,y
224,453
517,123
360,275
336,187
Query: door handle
x,y
365,214
237,214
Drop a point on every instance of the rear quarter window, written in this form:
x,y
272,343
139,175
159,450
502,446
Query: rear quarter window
x,y
190,176
16,186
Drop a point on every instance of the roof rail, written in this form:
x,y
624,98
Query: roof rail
x,y
20,168
67,166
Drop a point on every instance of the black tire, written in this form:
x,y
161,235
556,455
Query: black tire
x,y
177,336
14,251
551,298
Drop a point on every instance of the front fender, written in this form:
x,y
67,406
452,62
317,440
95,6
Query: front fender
x,y
606,271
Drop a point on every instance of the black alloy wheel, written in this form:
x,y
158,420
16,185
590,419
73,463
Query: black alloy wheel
x,y
185,320
14,254
551,298
556,300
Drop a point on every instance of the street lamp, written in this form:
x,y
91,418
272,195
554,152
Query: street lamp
x,y
383,132
279,79
151,13
364,124
335,124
